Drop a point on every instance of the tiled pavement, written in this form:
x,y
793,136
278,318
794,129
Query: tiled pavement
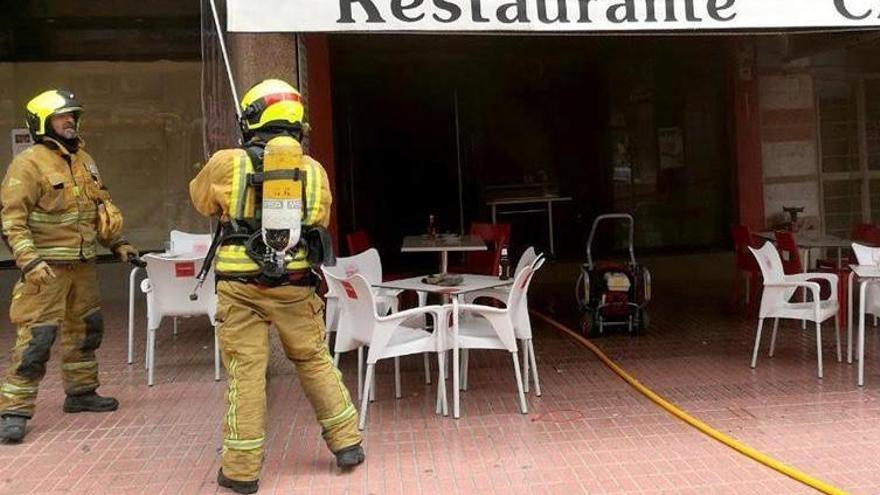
x,y
589,433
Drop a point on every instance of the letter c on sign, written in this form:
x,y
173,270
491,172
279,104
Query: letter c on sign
x,y
840,5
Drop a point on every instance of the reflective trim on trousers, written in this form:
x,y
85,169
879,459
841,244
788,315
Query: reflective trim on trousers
x,y
243,445
14,391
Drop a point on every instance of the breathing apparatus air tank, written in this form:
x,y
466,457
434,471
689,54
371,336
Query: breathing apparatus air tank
x,y
283,204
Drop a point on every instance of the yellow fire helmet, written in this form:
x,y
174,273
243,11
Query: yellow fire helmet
x,y
272,102
47,104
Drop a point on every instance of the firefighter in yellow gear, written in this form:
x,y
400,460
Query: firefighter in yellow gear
x,y
254,293
55,209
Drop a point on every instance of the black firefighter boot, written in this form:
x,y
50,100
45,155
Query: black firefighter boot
x,y
350,457
237,486
12,428
89,402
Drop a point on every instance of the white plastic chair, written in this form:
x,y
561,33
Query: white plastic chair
x,y
132,280
179,242
778,291
522,324
168,286
185,242
500,293
485,327
865,255
391,336
369,265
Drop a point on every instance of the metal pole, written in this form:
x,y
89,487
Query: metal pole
x,y
215,241
225,57
458,159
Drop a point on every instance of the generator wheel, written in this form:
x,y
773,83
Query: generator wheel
x,y
644,321
647,288
590,325
582,289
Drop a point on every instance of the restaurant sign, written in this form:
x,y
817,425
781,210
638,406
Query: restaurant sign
x,y
547,15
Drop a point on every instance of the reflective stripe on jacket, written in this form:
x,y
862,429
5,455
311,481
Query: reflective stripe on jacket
x,y
49,205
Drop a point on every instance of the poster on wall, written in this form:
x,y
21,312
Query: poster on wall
x,y
670,142
622,161
21,140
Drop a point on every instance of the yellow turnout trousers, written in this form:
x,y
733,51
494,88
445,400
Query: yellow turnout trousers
x,y
244,313
69,305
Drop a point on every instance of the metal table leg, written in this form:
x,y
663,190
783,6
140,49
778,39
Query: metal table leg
x,y
849,319
550,226
131,290
862,286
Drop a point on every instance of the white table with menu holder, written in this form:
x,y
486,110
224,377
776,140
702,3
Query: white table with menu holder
x,y
443,244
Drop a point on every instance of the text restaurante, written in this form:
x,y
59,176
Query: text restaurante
x,y
524,11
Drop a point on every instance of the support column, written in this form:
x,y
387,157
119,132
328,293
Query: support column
x,y
258,56
320,113
749,178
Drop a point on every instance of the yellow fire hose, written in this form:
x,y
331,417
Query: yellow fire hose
x,y
703,427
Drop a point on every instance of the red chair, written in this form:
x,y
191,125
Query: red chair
x,y
789,252
745,263
863,233
496,236
866,233
358,242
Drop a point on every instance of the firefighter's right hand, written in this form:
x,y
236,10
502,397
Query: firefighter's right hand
x,y
109,221
41,274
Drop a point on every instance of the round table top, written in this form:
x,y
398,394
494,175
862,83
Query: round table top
x,y
812,239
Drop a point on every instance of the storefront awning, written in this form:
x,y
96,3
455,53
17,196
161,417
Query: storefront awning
x,y
547,15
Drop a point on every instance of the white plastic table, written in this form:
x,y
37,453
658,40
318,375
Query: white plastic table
x,y
470,283
442,244
514,200
867,274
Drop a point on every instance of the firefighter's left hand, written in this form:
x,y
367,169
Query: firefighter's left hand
x,y
126,251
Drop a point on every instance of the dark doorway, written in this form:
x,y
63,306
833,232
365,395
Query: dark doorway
x,y
528,110
548,111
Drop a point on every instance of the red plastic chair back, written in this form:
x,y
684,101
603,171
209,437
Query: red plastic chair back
x,y
742,240
866,233
358,242
788,251
496,235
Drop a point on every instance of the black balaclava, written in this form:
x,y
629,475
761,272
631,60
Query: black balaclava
x,y
71,145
